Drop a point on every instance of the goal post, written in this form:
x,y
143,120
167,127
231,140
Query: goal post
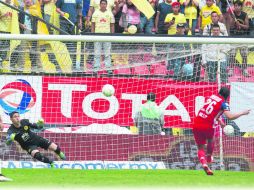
x,y
60,79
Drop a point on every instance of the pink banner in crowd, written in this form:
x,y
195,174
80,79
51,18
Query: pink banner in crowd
x,y
80,101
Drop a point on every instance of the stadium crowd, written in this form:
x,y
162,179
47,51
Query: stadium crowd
x,y
237,15
171,17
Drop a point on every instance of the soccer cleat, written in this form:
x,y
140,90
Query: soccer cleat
x,y
209,159
207,170
62,156
52,165
3,178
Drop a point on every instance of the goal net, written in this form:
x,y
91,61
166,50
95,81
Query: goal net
x,y
60,79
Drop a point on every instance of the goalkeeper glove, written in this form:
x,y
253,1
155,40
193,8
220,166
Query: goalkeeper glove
x,y
10,138
40,123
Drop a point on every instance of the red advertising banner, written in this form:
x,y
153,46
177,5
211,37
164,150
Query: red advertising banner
x,y
79,100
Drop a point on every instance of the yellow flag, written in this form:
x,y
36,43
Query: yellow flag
x,y
54,19
14,29
35,10
145,7
59,49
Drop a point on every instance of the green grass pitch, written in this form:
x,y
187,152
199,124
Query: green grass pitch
x,y
71,179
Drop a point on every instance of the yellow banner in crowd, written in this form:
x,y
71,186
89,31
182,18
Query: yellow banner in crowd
x,y
14,29
59,49
145,7
54,19
35,10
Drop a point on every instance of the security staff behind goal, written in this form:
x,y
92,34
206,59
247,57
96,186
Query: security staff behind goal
x,y
149,119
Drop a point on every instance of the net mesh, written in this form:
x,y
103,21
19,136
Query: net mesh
x,y
170,60
61,82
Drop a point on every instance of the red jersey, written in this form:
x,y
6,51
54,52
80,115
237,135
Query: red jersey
x,y
214,106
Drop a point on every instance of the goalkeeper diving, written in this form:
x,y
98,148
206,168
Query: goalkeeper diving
x,y
20,131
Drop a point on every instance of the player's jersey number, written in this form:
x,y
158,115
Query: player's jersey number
x,y
208,109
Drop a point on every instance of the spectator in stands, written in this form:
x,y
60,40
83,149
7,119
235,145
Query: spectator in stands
x,y
48,6
191,14
5,28
28,25
85,9
183,69
164,8
72,10
118,28
240,20
248,7
225,9
103,21
175,55
149,119
130,16
112,5
212,54
70,22
215,20
205,14
174,18
239,27
146,25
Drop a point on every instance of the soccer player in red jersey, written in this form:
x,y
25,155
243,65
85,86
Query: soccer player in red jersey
x,y
203,128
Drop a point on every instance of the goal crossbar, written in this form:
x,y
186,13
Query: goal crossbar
x,y
129,39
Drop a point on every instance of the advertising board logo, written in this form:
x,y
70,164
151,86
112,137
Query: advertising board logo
x,y
17,96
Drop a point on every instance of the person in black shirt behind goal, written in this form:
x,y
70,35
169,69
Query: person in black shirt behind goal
x,y
20,131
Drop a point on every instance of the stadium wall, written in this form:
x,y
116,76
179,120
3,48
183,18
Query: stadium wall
x,y
171,152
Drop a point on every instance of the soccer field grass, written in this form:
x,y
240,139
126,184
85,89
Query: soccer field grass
x,y
74,179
